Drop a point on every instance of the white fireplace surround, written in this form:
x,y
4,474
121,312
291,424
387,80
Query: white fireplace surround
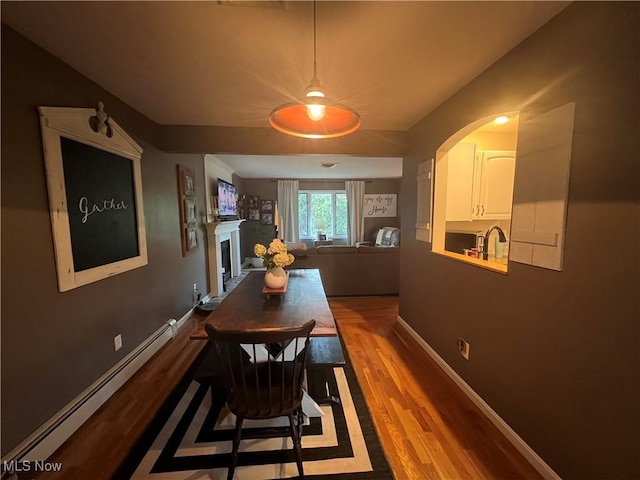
x,y
218,232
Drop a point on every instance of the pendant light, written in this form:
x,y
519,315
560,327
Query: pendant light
x,y
315,116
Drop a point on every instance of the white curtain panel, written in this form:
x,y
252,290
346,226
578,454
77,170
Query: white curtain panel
x,y
355,210
288,210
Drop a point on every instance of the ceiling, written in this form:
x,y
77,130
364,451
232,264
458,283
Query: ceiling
x,y
311,166
229,63
336,166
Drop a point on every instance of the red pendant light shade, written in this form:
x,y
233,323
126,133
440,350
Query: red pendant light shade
x,y
293,119
315,117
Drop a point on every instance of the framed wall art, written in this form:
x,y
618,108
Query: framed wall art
x,y
188,184
254,214
95,195
266,218
242,200
380,205
191,236
253,201
266,206
188,210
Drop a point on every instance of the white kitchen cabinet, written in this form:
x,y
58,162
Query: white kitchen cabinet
x,y
462,186
496,184
479,183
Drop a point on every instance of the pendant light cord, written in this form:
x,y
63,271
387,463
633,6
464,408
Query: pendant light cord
x,y
306,119
314,41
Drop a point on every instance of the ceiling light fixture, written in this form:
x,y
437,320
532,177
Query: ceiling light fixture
x,y
315,116
501,120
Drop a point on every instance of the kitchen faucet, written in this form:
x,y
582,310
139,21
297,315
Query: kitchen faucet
x,y
501,237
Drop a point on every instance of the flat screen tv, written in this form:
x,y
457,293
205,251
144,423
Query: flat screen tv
x,y
227,201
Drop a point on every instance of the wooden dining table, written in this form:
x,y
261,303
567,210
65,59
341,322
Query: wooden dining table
x,y
248,308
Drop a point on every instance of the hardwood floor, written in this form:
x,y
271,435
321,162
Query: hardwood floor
x,y
101,444
428,428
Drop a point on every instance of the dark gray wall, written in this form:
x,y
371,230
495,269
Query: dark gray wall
x,y
267,141
372,225
54,344
555,354
251,231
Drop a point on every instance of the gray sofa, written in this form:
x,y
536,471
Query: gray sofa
x,y
353,270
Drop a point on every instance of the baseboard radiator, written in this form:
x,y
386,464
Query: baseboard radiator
x,y
52,434
532,457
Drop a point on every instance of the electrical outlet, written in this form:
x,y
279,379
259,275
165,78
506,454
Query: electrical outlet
x,y
117,342
463,347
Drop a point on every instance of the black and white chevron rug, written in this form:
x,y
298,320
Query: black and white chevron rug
x,y
190,439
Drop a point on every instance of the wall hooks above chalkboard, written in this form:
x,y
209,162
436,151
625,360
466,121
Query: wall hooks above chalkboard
x,y
99,123
94,182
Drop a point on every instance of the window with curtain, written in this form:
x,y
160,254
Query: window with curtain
x,y
322,207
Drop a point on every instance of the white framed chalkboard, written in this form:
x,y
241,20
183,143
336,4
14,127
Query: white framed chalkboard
x,y
95,195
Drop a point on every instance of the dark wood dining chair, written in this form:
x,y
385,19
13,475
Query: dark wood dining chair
x,y
260,382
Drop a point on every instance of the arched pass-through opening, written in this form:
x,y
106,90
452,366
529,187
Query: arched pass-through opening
x,y
473,192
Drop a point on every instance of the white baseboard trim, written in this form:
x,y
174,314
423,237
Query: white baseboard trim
x,y
54,432
532,457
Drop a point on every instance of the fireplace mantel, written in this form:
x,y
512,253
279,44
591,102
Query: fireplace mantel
x,y
218,232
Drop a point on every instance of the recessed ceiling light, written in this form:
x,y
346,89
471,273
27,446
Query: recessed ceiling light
x,y
501,120
328,165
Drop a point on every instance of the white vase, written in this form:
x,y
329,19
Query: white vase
x,y
256,262
275,277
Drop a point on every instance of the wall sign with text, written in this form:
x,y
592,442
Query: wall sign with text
x,y
95,195
380,205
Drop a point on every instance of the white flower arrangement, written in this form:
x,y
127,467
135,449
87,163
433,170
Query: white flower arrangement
x,y
274,256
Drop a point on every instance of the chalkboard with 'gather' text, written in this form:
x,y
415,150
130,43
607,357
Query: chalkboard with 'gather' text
x,y
101,203
94,182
